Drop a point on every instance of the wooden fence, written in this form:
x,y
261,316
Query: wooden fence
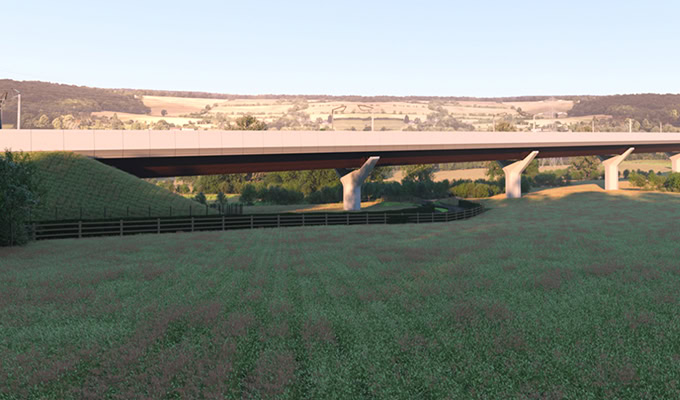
x,y
124,227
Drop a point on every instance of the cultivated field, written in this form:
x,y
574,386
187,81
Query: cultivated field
x,y
477,113
555,295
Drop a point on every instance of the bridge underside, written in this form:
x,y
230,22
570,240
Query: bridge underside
x,y
150,167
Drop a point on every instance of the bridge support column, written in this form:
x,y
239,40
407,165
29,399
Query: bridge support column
x,y
351,184
611,169
513,175
675,161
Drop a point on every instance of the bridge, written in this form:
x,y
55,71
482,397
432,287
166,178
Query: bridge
x,y
150,153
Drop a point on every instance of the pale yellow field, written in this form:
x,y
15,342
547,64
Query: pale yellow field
x,y
477,113
125,117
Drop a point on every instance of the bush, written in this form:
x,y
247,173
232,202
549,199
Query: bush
x,y
248,194
637,179
279,195
475,189
673,182
200,198
18,193
551,179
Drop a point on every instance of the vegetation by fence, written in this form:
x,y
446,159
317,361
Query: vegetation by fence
x,y
81,213
124,227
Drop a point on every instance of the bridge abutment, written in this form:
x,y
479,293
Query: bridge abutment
x,y
351,184
513,175
611,169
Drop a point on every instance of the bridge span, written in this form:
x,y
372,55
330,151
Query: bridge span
x,y
150,153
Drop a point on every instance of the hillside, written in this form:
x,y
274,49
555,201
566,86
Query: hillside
x,y
53,100
70,182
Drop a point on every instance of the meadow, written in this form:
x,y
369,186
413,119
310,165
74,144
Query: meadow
x,y
560,294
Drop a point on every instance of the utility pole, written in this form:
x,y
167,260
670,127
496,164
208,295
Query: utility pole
x,y
3,99
630,125
18,109
593,127
342,107
362,107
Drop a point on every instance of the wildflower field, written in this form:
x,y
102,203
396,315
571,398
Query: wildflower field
x,y
572,296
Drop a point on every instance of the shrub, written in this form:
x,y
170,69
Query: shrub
x,y
475,189
673,182
248,194
18,193
200,198
637,179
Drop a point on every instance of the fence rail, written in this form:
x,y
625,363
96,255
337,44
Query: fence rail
x,y
60,213
124,227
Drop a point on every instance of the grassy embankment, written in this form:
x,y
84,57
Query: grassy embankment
x,y
560,294
70,181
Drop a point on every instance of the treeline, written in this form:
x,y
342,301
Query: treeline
x,y
53,100
654,108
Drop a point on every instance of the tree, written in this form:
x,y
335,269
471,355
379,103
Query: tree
x,y
494,170
505,126
200,198
18,193
250,123
221,199
248,194
116,123
418,172
406,119
164,113
43,122
585,167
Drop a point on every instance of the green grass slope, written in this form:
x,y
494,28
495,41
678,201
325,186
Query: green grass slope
x,y
573,297
70,182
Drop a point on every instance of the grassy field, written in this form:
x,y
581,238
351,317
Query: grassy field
x,y
70,182
560,294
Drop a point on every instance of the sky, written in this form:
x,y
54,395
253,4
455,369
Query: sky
x,y
430,48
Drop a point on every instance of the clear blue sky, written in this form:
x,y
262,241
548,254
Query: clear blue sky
x,y
442,48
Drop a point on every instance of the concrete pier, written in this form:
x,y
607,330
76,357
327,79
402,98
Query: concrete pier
x,y
611,169
513,175
351,184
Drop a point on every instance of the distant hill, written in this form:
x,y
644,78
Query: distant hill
x,y
653,107
72,182
53,100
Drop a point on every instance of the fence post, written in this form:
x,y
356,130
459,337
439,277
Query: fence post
x,y
252,225
432,217
35,235
80,229
192,224
366,218
121,228
347,214
417,217
446,217
325,218
385,216
158,225
278,220
222,221
303,219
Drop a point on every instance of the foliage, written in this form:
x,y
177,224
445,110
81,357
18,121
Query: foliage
x,y
475,189
505,126
585,168
54,100
18,194
250,123
221,199
248,194
552,178
200,198
672,182
651,107
418,172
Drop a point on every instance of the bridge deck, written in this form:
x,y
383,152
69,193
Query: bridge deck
x,y
175,153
